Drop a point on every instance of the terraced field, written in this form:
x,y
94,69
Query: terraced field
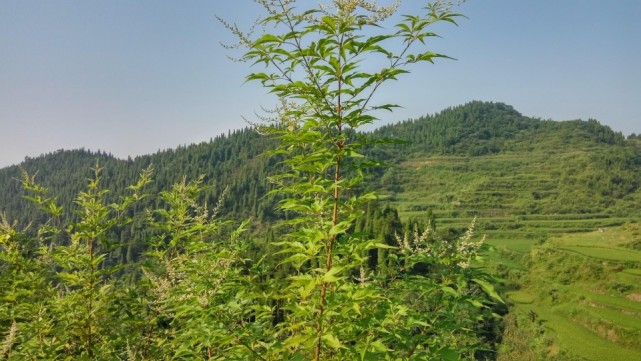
x,y
582,341
568,260
514,198
591,300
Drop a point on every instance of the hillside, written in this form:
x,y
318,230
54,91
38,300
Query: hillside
x,y
511,172
560,201
232,161
518,175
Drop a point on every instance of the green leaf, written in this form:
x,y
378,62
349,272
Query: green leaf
x,y
488,289
379,346
450,290
267,38
357,308
330,276
448,354
340,228
332,341
476,303
382,245
354,154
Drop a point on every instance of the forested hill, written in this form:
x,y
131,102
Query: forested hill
x,y
235,160
481,128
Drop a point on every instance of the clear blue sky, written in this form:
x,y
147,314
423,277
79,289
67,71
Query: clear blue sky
x,y
131,77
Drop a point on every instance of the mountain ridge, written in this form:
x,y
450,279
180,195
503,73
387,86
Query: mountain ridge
x,y
235,160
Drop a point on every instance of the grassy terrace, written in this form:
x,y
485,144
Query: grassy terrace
x,y
579,340
512,196
576,271
590,297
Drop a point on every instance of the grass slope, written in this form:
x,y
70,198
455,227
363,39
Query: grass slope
x,y
561,208
590,302
516,199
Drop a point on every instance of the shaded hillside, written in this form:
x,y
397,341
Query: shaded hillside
x,y
231,161
63,171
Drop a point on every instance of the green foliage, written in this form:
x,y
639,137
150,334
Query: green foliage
x,y
230,161
336,304
200,298
484,128
522,195
58,302
201,292
525,191
198,290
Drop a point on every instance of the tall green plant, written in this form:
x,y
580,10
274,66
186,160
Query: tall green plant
x,y
60,301
318,61
199,304
24,294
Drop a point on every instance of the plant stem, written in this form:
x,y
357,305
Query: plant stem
x,y
329,248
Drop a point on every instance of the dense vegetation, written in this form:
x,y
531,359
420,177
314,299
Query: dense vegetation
x,y
595,175
518,194
526,176
121,275
559,201
299,245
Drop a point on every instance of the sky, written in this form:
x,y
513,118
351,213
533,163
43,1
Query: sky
x,y
132,77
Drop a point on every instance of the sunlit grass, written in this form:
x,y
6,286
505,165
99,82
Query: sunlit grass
x,y
613,301
583,342
522,245
606,253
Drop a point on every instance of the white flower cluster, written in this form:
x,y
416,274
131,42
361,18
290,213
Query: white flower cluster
x,y
9,340
418,243
466,248
461,251
376,12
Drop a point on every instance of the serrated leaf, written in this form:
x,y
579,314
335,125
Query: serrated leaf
x,y
488,289
332,341
307,289
450,290
357,308
379,346
339,228
476,303
330,276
